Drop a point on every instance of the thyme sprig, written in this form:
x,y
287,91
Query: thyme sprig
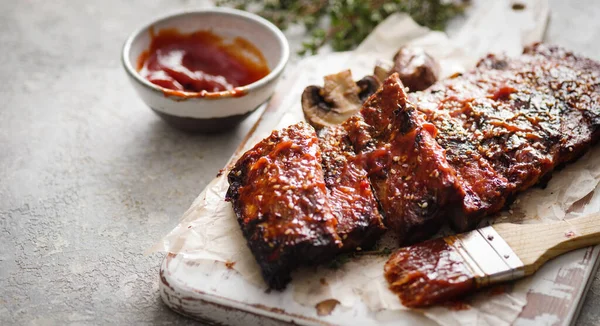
x,y
349,21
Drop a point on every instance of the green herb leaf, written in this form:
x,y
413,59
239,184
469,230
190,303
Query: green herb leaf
x,y
350,21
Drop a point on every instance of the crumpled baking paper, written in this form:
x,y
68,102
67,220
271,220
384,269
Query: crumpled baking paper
x,y
209,231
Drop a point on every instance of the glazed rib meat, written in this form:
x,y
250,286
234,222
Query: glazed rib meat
x,y
506,125
456,152
349,192
279,196
407,168
497,131
300,200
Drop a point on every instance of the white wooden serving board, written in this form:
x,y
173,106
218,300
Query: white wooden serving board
x,y
214,294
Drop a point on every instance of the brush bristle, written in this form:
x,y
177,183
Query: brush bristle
x,y
428,273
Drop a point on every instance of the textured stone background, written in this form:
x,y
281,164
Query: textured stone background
x,y
90,178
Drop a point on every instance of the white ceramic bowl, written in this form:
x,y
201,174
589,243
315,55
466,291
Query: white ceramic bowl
x,y
222,110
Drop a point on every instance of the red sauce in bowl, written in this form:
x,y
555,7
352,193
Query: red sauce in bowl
x,y
200,62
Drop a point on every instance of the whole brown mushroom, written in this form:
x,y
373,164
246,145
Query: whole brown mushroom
x,y
417,69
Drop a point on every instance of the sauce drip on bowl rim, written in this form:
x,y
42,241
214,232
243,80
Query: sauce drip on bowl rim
x,y
201,64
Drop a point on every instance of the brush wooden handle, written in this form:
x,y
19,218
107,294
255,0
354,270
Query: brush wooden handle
x,y
535,244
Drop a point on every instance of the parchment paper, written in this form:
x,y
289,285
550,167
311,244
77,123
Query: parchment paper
x,y
209,231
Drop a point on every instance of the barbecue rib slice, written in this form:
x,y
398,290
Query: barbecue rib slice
x,y
407,168
279,196
506,125
349,192
300,200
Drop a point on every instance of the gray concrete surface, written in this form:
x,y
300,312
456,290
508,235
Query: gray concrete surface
x,y
90,178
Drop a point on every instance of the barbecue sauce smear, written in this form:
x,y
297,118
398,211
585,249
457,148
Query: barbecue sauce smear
x,y
200,62
428,273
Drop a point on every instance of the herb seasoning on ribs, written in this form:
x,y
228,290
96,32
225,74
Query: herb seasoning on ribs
x,y
407,168
509,123
349,192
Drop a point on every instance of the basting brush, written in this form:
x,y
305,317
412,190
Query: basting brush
x,y
443,269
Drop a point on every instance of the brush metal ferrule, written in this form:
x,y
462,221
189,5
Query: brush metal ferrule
x,y
488,256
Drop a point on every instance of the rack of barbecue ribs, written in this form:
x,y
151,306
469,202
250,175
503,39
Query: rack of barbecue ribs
x,y
451,154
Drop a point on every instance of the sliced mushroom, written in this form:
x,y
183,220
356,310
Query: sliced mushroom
x,y
339,98
368,86
417,69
